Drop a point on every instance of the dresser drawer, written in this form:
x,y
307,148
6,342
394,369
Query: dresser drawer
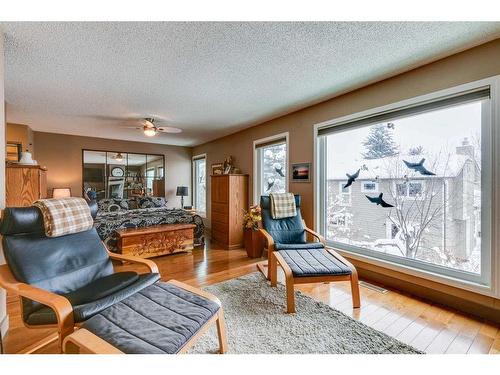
x,y
220,237
219,217
222,208
220,227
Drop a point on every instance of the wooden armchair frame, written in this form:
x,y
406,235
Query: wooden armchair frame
x,y
59,304
274,259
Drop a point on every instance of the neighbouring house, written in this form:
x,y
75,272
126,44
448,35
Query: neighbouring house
x,y
435,218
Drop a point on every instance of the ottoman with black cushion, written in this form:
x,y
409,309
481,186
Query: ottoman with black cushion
x,y
313,262
164,318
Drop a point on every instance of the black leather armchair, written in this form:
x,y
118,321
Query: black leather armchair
x,y
65,280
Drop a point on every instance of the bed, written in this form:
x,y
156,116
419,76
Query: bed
x,y
107,223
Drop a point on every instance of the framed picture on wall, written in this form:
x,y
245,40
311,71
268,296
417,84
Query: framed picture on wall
x,y
301,172
217,168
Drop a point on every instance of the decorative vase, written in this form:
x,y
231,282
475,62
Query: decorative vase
x,y
254,245
26,158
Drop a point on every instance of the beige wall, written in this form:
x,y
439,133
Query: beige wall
x,y
477,63
20,133
62,155
4,323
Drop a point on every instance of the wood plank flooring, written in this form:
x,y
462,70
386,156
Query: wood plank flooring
x,y
424,325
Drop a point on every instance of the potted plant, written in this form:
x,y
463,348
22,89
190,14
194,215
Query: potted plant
x,y
252,238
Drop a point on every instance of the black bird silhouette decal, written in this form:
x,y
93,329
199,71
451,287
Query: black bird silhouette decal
x,y
390,125
351,178
270,184
279,170
419,167
379,201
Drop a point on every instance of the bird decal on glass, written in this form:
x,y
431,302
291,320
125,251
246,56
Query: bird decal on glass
x,y
390,125
379,201
419,167
270,184
279,169
351,178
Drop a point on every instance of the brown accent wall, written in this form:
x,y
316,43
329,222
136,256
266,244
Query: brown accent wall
x,y
471,65
62,155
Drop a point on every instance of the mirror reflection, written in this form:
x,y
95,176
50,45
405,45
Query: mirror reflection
x,y
123,175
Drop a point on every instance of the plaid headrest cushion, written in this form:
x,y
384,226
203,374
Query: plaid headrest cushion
x,y
65,216
283,205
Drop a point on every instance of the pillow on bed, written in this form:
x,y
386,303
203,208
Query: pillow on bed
x,y
151,202
113,204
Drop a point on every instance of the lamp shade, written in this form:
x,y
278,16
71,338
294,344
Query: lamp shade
x,y
61,192
182,191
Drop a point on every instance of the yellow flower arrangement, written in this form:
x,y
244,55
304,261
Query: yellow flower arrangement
x,y
252,218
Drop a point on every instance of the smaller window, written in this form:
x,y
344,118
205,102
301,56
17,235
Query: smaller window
x,y
160,172
369,187
199,184
412,189
345,194
339,220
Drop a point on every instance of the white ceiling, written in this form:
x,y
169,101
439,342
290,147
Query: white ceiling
x,y
209,79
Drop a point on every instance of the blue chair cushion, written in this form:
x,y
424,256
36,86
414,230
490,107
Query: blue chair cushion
x,y
85,304
159,319
313,262
289,230
298,246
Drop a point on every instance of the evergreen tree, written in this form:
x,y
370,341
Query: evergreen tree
x,y
379,143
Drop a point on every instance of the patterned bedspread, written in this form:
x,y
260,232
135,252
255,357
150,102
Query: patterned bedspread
x,y
107,223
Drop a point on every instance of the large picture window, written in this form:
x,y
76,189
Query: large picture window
x,y
200,184
271,167
408,186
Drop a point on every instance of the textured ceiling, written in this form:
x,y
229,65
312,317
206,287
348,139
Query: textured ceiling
x,y
210,79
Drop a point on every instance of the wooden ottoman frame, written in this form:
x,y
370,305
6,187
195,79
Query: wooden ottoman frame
x,y
83,341
275,259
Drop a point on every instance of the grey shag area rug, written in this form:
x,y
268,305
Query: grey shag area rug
x,y
257,324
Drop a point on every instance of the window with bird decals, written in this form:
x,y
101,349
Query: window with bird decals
x,y
271,168
408,189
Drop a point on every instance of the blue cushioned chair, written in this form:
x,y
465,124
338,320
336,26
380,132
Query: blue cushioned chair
x,y
302,261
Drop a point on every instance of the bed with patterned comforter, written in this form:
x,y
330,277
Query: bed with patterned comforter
x,y
107,223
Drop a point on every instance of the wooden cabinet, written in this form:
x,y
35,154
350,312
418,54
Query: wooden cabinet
x,y
229,197
24,184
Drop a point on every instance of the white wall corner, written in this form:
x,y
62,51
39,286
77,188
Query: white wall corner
x,y
4,319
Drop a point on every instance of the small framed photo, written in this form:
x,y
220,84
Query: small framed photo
x,y
301,172
217,168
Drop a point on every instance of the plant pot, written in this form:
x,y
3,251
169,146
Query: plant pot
x,y
254,244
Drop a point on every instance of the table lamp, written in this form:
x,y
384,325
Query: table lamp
x,y
182,191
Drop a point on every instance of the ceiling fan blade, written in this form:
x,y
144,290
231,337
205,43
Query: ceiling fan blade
x,y
168,129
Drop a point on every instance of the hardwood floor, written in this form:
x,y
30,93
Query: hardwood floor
x,y
426,326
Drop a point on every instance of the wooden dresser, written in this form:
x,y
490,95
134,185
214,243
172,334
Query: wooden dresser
x,y
24,184
229,197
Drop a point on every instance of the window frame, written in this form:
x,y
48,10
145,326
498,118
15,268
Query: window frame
x,y
194,159
256,161
489,283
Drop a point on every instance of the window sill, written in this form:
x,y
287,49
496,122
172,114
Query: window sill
x,y
422,274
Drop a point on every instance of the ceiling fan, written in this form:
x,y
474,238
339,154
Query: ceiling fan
x,y
150,129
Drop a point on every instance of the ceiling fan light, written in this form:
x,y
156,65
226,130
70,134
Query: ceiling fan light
x,y
149,132
119,157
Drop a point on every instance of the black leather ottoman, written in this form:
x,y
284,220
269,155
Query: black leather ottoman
x,y
164,318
